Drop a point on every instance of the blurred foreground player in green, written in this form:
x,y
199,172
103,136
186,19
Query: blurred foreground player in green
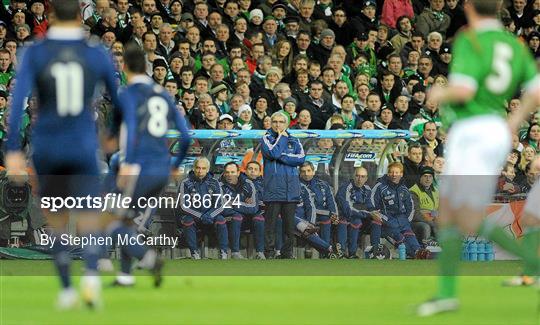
x,y
489,66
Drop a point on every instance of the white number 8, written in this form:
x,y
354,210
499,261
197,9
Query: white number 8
x,y
157,123
501,77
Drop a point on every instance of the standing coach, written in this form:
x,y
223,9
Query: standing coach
x,y
282,154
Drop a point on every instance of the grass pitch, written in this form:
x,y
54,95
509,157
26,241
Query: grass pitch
x,y
274,292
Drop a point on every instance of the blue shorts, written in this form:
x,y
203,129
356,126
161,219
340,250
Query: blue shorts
x,y
66,173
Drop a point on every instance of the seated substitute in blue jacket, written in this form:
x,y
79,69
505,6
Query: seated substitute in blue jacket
x,y
282,155
201,205
245,196
318,205
354,203
393,205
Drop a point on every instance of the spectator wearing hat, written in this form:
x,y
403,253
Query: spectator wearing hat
x,y
175,12
341,27
270,35
260,111
445,55
39,22
245,118
256,17
322,51
418,97
279,12
426,205
533,40
394,9
433,19
292,27
367,20
220,93
159,71
290,106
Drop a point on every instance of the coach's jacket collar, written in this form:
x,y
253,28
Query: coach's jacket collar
x,y
65,33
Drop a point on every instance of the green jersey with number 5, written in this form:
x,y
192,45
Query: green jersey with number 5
x,y
492,62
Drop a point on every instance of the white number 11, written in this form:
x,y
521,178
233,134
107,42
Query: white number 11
x,y
69,88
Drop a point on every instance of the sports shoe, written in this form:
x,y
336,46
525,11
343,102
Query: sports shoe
x,y
91,291
237,256
105,265
339,251
67,299
124,280
195,256
223,255
518,281
260,256
437,306
422,254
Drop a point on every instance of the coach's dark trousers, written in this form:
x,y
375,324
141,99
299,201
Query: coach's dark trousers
x,y
287,211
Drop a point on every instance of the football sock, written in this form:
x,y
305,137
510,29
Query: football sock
x,y
450,241
531,243
91,253
62,259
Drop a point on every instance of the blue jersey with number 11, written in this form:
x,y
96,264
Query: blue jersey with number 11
x,y
62,71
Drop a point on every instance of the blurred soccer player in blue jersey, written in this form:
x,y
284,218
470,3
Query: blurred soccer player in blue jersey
x,y
149,113
62,71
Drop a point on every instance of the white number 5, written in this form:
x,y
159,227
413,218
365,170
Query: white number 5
x,y
501,77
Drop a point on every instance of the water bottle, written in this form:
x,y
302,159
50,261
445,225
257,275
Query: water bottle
x,y
490,254
465,250
473,251
481,250
402,252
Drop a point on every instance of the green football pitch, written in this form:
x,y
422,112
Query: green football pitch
x,y
273,292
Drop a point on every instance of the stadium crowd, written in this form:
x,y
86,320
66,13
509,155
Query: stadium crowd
x,y
326,64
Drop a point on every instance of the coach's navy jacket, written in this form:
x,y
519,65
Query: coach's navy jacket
x,y
317,200
244,189
282,156
206,186
354,202
393,200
